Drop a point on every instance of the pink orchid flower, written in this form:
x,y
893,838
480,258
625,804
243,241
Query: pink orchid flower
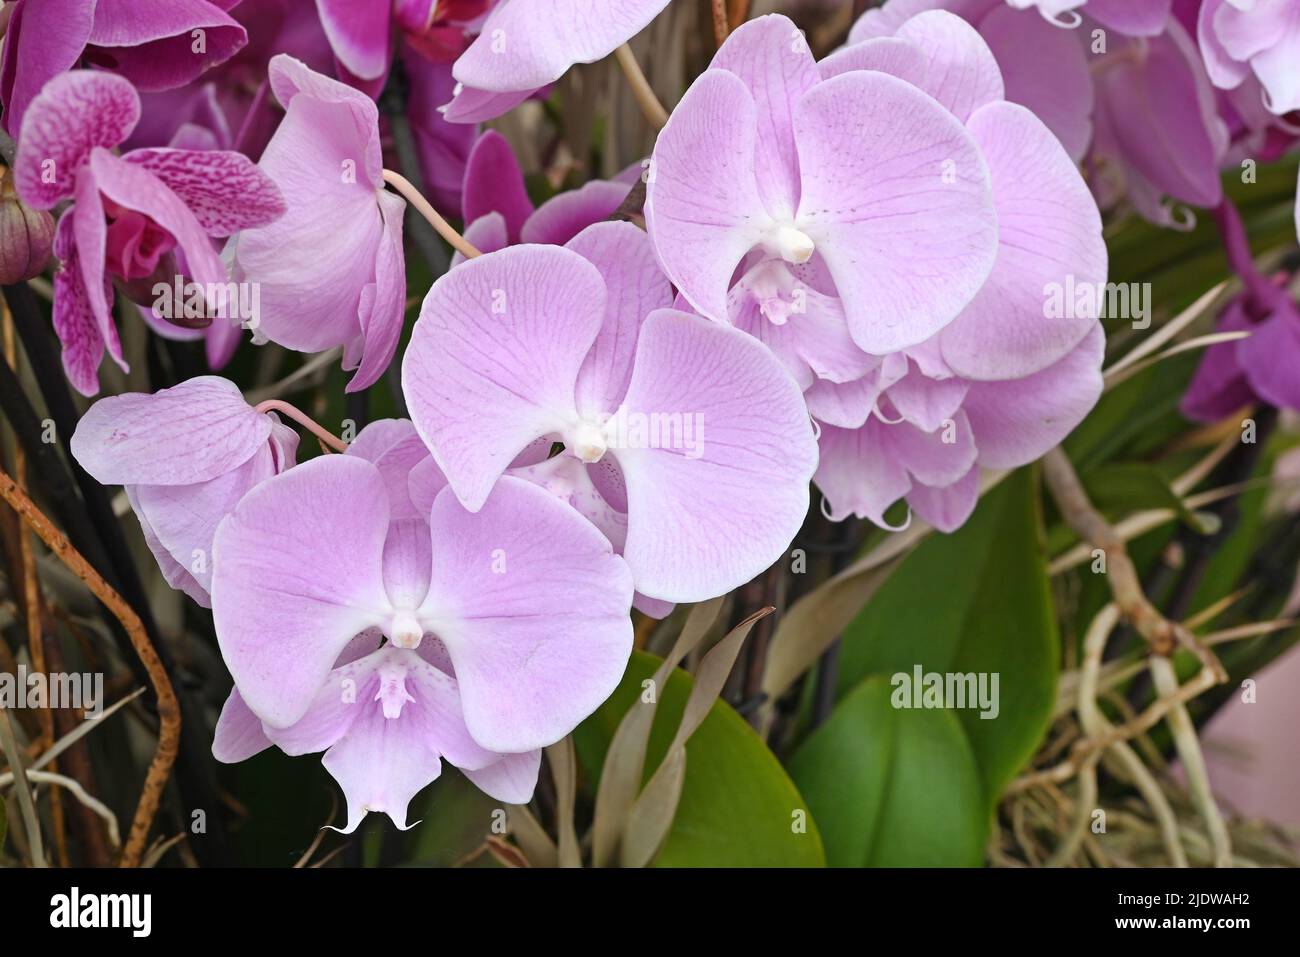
x,y
186,456
504,628
331,270
673,426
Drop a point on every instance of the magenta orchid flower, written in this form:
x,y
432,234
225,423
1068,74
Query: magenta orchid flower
x,y
1241,38
859,172
149,215
498,212
156,44
504,628
525,45
339,244
687,431
186,456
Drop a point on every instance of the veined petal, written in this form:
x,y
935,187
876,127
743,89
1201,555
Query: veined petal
x,y
382,309
192,432
274,574
1017,421
772,57
733,433
907,226
224,190
961,72
532,605
76,112
494,359
635,288
702,208
1049,238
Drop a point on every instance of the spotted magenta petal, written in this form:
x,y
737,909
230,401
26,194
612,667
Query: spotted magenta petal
x,y
905,226
178,198
535,341
527,598
186,456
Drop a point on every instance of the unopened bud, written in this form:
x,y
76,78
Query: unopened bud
x,y
26,237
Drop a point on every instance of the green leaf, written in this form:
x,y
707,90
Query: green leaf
x,y
892,788
977,601
1120,489
738,806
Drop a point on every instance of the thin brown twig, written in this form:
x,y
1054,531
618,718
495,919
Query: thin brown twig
x,y
169,714
1162,635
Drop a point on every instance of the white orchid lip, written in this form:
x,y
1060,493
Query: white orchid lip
x,y
793,244
405,631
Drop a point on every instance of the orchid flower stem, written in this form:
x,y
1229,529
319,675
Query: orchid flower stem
x,y
306,421
443,228
645,96
1262,294
720,27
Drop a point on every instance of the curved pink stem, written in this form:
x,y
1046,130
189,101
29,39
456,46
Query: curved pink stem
x,y
306,421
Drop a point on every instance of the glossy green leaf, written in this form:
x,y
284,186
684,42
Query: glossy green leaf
x,y
892,787
974,602
738,806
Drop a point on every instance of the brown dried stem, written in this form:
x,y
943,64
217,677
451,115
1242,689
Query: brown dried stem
x,y
169,714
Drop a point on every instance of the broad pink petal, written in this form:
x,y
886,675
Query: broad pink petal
x,y
566,214
908,229
702,208
239,733
710,508
274,575
526,44
1045,69
192,432
512,779
34,54
494,359
947,508
495,183
153,44
961,72
635,288
358,33
772,57
1049,238
1017,421
532,605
